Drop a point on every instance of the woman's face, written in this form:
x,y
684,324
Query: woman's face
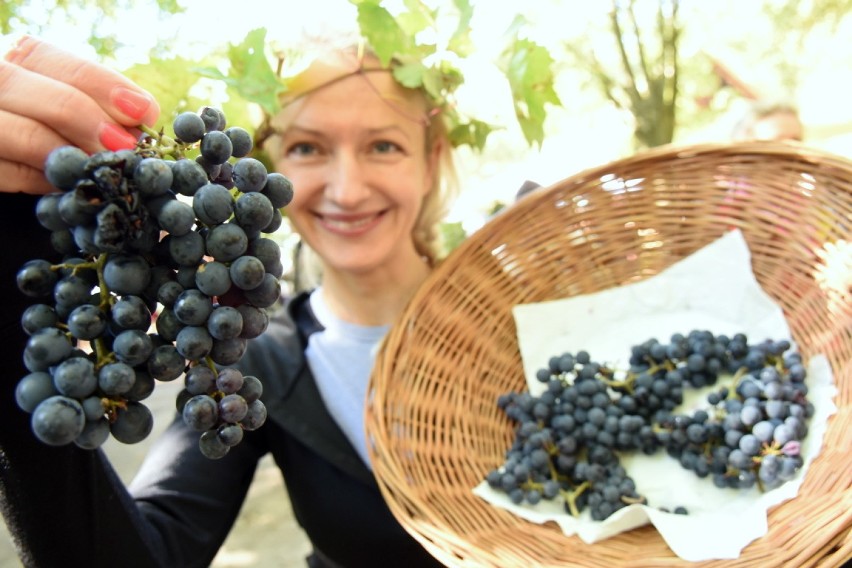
x,y
360,171
778,126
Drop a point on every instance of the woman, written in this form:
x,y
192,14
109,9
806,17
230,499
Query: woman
x,y
368,161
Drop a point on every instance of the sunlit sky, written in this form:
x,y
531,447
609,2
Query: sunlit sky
x,y
584,134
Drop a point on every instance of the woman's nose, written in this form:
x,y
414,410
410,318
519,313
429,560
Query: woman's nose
x,y
346,185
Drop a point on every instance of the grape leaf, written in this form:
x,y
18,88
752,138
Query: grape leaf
x,y
474,133
418,18
460,42
528,68
251,75
410,73
168,82
384,34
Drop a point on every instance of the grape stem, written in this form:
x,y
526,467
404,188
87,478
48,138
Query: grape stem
x,y
572,496
165,146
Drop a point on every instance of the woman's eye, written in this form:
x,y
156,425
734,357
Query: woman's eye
x,y
385,147
302,149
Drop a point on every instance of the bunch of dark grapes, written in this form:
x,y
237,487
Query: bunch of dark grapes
x,y
569,438
152,235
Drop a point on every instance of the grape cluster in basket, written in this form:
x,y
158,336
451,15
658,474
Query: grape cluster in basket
x,y
568,439
151,235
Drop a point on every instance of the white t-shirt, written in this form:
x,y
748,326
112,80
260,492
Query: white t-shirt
x,y
341,359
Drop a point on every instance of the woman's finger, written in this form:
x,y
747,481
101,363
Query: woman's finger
x,y
20,178
121,99
27,141
60,107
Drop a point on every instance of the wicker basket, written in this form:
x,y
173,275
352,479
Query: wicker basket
x,y
432,411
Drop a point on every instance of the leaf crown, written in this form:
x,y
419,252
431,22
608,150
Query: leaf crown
x,y
396,43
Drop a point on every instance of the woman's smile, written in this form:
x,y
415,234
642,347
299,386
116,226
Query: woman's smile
x,y
350,224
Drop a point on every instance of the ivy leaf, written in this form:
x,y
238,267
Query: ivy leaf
x,y
382,31
418,18
251,76
528,67
460,42
168,82
410,73
474,133
433,82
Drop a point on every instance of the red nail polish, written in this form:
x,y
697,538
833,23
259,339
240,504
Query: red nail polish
x,y
115,138
132,103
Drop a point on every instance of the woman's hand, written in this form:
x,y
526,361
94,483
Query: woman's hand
x,y
50,98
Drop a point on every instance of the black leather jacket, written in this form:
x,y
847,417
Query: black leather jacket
x,y
66,507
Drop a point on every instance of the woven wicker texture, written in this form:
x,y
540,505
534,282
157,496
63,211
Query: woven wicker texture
x,y
432,410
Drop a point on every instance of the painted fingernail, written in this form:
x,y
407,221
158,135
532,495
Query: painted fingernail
x,y
115,138
132,103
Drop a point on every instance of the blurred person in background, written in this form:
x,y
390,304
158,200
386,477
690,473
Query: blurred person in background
x,y
770,120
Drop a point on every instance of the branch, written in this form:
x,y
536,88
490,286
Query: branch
x,y
631,89
643,62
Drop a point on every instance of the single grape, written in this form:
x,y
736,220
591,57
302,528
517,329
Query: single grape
x,y
193,342
132,346
186,250
32,389
232,408
153,177
93,408
266,294
247,272
38,316
201,412
75,377
200,379
214,118
229,380
166,363
249,175
251,390
132,423
225,322
253,211
278,189
230,434
188,126
64,166
47,212
255,417
213,278
143,385
213,204
131,312
193,307
94,434
212,445
216,147
46,348
226,242
36,278
176,217
188,176
58,420
127,274
87,322
116,378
